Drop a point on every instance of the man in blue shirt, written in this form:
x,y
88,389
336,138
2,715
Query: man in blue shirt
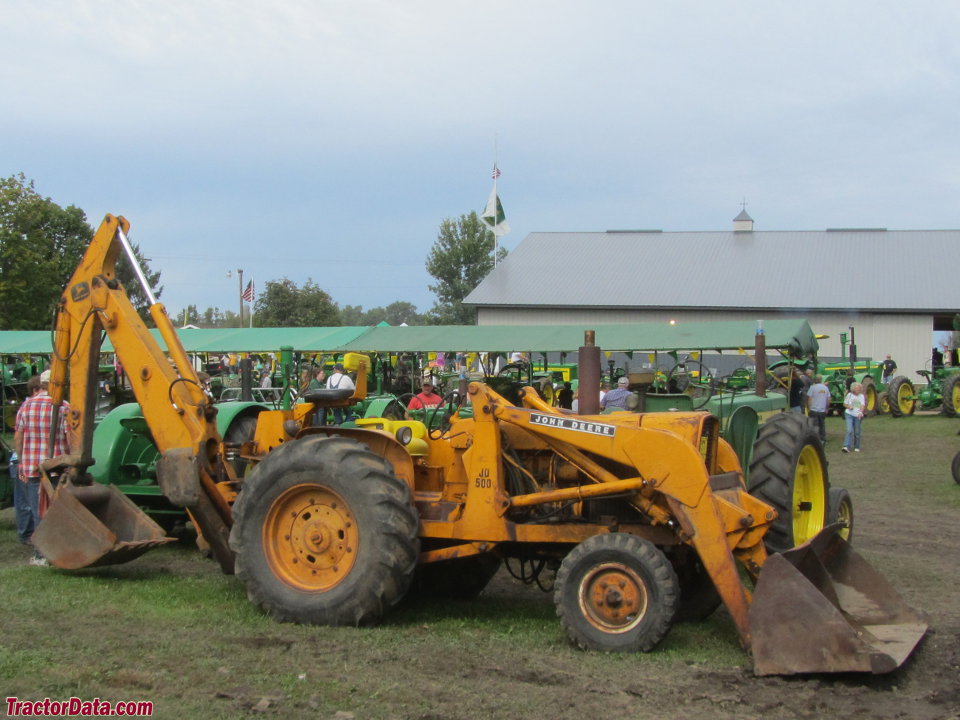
x,y
617,398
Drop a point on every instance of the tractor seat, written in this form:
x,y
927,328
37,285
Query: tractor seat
x,y
322,396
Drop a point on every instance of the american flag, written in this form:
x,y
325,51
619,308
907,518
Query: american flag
x,y
496,171
248,293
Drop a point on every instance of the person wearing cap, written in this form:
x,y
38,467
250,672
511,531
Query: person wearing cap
x,y
889,368
425,398
339,380
617,398
31,438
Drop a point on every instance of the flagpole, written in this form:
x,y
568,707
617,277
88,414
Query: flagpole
x,y
496,238
253,295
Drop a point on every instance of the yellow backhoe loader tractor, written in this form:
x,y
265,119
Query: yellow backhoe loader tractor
x,y
644,516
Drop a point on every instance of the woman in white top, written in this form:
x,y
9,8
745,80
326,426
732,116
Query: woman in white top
x,y
855,403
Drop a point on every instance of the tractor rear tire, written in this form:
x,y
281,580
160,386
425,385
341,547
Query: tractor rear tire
x,y
955,468
616,593
870,394
460,579
901,396
841,510
951,395
789,472
325,533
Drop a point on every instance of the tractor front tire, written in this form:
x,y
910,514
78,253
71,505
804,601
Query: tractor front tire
x,y
841,511
951,395
241,430
325,533
616,593
883,403
870,394
789,472
955,468
901,396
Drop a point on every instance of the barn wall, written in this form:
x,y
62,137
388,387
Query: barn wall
x,y
907,338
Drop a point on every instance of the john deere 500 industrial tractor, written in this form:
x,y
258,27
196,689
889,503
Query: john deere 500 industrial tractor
x,y
644,516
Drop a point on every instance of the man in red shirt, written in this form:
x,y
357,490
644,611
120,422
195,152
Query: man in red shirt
x,y
425,398
32,437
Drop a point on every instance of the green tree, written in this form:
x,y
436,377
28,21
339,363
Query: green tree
x,y
41,245
400,312
352,315
284,304
460,258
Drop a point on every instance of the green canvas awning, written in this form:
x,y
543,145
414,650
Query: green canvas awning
x,y
793,337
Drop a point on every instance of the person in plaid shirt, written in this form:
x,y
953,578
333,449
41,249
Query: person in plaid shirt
x,y
31,437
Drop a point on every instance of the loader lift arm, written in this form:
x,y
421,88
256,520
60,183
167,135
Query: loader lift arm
x,y
684,494
181,416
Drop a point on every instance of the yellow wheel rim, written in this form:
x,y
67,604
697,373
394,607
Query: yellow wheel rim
x,y
613,598
844,515
809,496
310,538
904,398
955,393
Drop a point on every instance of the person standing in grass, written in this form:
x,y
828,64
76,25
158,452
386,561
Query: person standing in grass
x,y
889,368
854,402
32,439
818,401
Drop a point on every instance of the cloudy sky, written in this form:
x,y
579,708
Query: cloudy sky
x,y
328,140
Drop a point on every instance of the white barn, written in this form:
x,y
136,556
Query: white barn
x,y
895,287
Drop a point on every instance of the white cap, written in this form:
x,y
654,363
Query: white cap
x,y
624,381
45,376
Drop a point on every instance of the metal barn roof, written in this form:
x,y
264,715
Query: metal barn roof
x,y
862,269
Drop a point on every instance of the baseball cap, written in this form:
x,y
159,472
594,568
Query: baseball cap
x,y
623,381
45,376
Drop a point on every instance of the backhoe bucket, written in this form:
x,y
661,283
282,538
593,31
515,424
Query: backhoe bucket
x,y
92,525
821,608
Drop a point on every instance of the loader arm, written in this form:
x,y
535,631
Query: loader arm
x,y
180,415
680,479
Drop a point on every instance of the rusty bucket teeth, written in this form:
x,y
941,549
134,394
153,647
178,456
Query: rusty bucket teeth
x,y
87,526
821,608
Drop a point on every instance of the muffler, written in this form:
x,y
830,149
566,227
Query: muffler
x,y
91,525
821,608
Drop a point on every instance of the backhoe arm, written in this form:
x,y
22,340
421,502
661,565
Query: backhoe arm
x,y
180,414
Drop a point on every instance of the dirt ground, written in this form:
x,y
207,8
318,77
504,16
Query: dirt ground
x,y
501,656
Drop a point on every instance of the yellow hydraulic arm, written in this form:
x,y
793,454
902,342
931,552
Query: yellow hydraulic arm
x,y
180,414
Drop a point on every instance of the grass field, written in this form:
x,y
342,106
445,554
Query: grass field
x,y
169,628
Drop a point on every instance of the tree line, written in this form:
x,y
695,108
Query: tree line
x,y
42,243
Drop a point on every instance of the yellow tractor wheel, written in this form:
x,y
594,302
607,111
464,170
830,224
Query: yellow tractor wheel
x,y
901,396
789,472
841,511
616,593
951,395
325,533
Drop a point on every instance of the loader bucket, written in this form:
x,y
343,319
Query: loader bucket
x,y
822,608
92,525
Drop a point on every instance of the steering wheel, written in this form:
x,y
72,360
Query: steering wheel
x,y
679,377
516,370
